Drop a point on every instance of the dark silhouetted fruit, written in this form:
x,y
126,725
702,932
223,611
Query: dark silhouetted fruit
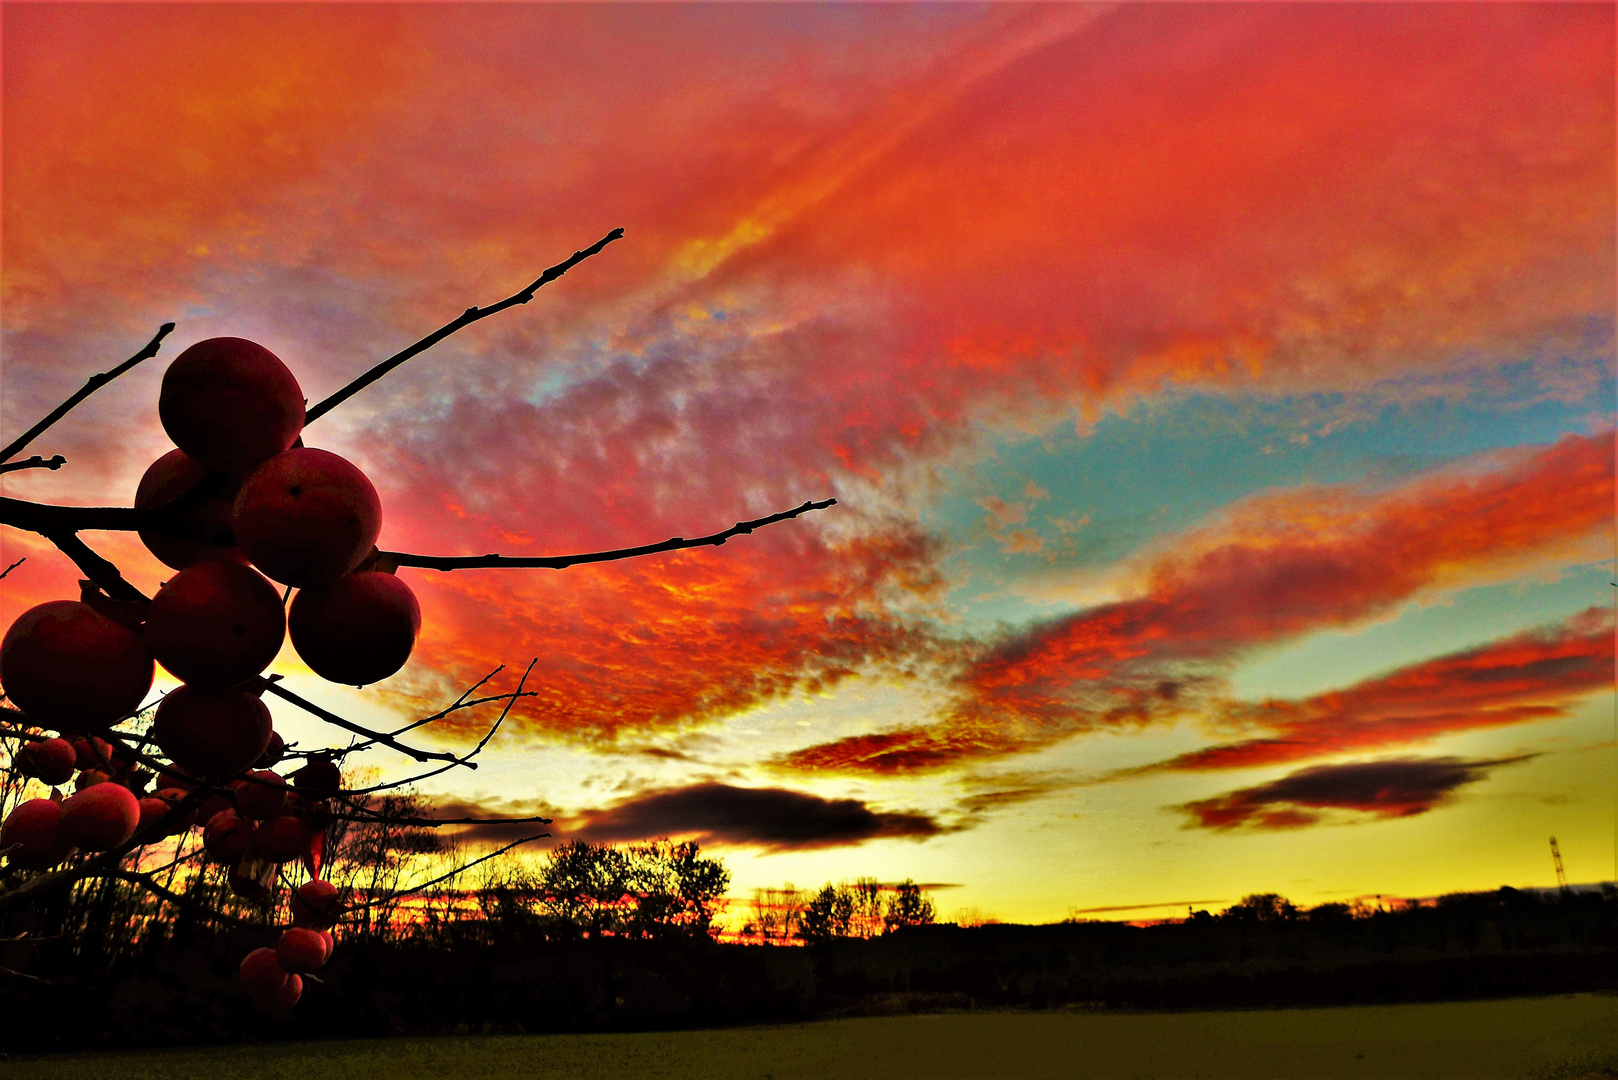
x,y
358,630
319,779
100,818
262,973
71,668
283,999
316,904
261,796
228,838
272,753
92,753
230,404
216,624
36,827
49,760
213,806
174,778
151,810
282,838
172,797
301,950
200,530
90,778
212,732
307,517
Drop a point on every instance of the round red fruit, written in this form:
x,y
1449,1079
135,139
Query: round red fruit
x,y
92,753
212,732
69,667
301,951
283,999
358,630
282,838
213,806
307,517
34,831
316,904
152,810
215,624
230,404
261,795
198,530
172,797
262,973
100,818
318,779
272,753
227,838
49,760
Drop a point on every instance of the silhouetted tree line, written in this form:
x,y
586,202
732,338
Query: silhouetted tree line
x,y
545,951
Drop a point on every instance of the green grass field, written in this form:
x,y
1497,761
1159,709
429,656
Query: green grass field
x,y
1558,1038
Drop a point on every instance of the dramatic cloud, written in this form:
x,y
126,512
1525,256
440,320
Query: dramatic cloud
x,y
1531,676
1394,788
1270,569
838,276
771,818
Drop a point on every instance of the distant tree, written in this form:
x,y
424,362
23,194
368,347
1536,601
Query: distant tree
x,y
1261,907
909,907
584,887
861,909
776,914
674,889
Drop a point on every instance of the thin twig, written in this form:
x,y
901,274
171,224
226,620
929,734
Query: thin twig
x,y
433,823
96,382
558,562
35,462
12,567
146,881
459,870
332,718
466,318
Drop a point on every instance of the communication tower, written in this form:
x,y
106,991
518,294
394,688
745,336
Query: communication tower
x,y
1556,857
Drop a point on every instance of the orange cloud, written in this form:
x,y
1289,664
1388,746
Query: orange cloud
x,y
1531,676
1271,569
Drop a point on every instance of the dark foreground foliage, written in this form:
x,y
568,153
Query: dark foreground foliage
x,y
180,987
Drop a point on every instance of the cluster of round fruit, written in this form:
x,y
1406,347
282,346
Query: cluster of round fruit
x,y
239,502
274,976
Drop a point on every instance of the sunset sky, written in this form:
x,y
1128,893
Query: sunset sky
x,y
1218,401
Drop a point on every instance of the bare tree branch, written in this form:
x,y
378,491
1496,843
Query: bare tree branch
x,y
558,562
149,883
12,567
466,318
433,823
274,687
35,462
459,870
94,567
96,382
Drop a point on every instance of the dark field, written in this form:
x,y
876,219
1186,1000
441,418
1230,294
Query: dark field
x,y
1572,1037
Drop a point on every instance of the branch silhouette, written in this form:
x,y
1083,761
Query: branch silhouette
x,y
466,318
559,562
17,445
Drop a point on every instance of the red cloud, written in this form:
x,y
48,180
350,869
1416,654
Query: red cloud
x,y
1398,787
833,272
1531,676
1274,568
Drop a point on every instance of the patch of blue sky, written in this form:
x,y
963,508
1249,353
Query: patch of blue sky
x,y
1075,500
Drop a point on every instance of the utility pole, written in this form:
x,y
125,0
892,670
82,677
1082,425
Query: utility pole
x,y
1556,857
